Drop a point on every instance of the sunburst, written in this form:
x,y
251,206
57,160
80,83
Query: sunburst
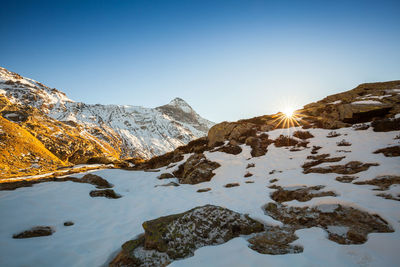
x,y
287,119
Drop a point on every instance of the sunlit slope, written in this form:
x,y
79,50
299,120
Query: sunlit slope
x,y
25,128
21,153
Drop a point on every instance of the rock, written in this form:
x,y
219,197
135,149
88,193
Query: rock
x,y
108,193
35,232
248,174
237,131
303,134
386,125
258,144
202,190
315,149
319,160
196,169
250,165
333,134
68,223
94,179
273,180
249,182
178,236
301,194
165,176
345,179
389,196
392,151
231,185
382,182
275,241
231,149
344,225
343,143
349,168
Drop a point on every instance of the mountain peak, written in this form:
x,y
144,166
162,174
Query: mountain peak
x,y
181,104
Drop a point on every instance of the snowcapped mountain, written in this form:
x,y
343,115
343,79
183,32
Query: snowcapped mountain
x,y
134,131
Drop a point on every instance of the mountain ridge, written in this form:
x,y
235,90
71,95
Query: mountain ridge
x,y
119,131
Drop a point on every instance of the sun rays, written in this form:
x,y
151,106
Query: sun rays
x,y
287,119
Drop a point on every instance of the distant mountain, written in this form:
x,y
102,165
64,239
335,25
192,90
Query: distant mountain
x,y
122,130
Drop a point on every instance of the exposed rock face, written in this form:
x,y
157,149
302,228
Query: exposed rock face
x,y
301,194
230,149
349,168
196,169
230,131
178,236
319,159
258,144
382,182
386,125
196,146
392,151
344,225
35,232
275,241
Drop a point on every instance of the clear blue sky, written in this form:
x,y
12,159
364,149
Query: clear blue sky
x,y
228,59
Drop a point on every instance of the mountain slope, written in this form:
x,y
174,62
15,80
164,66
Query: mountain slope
x,y
134,131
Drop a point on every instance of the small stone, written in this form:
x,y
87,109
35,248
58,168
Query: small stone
x,y
231,185
202,190
68,223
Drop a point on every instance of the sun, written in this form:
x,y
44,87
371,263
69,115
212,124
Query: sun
x,y
288,112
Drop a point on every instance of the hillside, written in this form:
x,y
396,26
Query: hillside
x,y
324,193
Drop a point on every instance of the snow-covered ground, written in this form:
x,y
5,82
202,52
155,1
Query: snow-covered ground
x,y
102,225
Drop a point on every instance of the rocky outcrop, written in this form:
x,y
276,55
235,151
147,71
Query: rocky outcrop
x,y
177,236
301,193
349,168
386,125
382,182
275,241
231,131
392,151
344,225
319,159
196,169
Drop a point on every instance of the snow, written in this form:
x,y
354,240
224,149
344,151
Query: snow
x,y
103,225
336,102
367,102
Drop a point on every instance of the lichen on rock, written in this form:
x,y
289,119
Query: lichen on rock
x,y
178,236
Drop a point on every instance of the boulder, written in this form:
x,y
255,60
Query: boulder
x,y
196,169
177,236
